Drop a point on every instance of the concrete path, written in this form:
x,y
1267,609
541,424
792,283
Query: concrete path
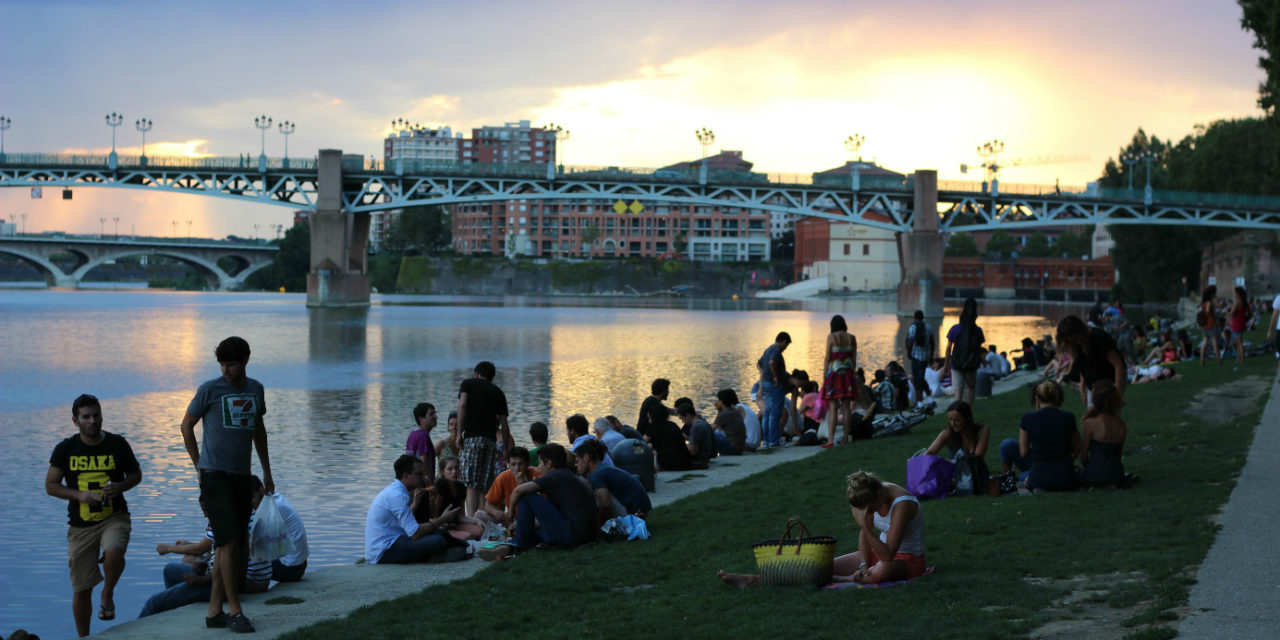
x,y
334,592
1237,591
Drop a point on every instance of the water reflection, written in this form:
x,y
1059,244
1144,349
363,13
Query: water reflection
x,y
340,386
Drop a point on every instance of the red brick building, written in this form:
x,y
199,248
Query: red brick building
x,y
1057,278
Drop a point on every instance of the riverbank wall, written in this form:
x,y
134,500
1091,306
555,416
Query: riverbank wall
x,y
484,275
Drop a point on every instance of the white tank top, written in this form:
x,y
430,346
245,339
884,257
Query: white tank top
x,y
913,537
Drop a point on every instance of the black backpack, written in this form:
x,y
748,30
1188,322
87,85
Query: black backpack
x,y
968,352
922,334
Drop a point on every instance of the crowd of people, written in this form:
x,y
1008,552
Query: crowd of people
x,y
474,492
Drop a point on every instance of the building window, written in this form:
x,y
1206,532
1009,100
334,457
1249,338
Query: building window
x,y
846,248
866,249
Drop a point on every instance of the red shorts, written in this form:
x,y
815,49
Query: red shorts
x,y
915,564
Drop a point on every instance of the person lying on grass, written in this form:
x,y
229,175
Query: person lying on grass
x,y
898,552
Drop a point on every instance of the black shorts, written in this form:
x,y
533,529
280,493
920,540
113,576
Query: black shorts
x,y
917,374
228,499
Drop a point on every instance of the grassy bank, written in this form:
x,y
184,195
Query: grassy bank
x,y
1123,561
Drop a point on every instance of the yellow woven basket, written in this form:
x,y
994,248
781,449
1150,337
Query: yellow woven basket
x,y
802,560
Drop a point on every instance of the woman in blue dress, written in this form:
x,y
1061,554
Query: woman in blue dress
x,y
1047,443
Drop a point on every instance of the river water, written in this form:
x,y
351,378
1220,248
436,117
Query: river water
x,y
340,387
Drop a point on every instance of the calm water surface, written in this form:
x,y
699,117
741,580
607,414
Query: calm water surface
x,y
340,386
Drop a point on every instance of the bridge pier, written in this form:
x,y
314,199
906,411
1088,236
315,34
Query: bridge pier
x,y
339,275
920,252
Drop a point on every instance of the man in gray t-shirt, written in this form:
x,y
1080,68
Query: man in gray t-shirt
x,y
231,409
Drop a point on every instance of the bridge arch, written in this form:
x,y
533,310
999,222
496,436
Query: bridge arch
x,y
225,280
54,275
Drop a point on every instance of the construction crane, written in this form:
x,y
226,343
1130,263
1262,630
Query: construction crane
x,y
991,166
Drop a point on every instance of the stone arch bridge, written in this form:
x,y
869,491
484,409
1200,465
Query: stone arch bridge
x,y
89,253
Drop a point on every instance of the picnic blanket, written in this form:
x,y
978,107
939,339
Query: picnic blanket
x,y
881,585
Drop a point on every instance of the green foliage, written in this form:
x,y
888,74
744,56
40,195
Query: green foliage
x,y
680,243
417,231
567,276
1002,243
192,280
1158,530
415,275
1074,244
1262,17
1037,246
384,269
589,235
962,245
291,264
475,266
784,246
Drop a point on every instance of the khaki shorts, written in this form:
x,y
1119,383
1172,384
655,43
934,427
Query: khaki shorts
x,y
85,543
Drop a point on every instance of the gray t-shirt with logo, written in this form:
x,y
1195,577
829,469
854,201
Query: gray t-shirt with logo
x,y
230,415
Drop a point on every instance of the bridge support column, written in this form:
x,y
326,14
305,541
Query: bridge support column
x,y
339,275
921,253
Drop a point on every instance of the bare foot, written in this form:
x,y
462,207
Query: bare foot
x,y
739,580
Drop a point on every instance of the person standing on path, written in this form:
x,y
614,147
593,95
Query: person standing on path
x,y
773,389
965,352
482,413
230,408
91,471
920,346
1272,334
1207,318
839,384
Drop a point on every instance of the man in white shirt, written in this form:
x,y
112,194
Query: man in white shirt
x,y
393,536
289,568
992,363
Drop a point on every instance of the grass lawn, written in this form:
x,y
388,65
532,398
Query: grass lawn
x,y
1119,562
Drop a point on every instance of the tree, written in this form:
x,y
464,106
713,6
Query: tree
x,y
1037,246
1262,17
1074,244
962,245
680,243
417,231
291,264
589,235
1001,243
784,246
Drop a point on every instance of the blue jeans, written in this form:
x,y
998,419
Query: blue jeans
x,y
406,550
775,403
555,528
281,572
177,592
1010,455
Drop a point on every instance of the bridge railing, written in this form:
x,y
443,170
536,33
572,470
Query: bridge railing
x,y
163,162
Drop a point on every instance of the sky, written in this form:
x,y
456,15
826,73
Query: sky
x,y
925,82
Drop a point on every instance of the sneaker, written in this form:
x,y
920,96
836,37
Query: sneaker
x,y
240,624
496,552
216,622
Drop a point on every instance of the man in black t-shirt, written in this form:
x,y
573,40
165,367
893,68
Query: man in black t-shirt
x,y
652,411
91,471
566,516
482,415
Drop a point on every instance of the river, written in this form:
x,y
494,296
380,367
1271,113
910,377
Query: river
x,y
340,387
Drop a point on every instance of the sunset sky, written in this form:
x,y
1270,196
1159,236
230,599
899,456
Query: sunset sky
x,y
925,82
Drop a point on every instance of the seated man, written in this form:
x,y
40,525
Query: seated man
x,y
628,433
669,450
518,472
702,442
566,516
577,426
730,424
393,536
191,580
289,568
618,493
992,363
603,431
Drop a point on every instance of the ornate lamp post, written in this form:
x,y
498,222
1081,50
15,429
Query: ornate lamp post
x,y
1129,158
116,220
5,123
991,149
143,125
24,224
262,122
706,138
852,144
255,231
188,231
102,224
286,129
175,229
113,120
1148,156
558,133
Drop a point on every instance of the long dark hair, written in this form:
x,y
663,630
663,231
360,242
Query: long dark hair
x,y
1210,293
956,440
969,312
838,323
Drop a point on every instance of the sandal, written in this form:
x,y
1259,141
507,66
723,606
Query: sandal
x,y
106,613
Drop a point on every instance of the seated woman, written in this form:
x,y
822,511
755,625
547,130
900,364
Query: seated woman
x,y
811,413
449,492
1047,443
964,436
1166,351
896,554
444,446
1186,349
1102,435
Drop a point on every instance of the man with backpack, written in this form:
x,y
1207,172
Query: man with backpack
x,y
920,347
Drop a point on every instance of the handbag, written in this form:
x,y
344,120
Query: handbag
x,y
970,475
803,560
929,476
268,536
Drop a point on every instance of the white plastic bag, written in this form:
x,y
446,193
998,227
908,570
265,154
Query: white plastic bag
x,y
269,537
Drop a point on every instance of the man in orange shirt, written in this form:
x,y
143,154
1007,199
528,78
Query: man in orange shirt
x,y
518,472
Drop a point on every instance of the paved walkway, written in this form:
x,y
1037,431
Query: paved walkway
x,y
1237,591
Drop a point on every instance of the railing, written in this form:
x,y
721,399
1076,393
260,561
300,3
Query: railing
x,y
56,236
159,162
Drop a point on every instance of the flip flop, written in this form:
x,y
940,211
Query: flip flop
x,y
106,613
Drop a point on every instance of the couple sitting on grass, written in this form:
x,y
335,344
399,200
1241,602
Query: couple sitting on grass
x,y
896,554
1048,443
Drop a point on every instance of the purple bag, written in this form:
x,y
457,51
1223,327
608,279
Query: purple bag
x,y
929,476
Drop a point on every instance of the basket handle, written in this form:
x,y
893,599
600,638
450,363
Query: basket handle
x,y
786,535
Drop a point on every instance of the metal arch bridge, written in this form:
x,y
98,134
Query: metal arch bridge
x,y
868,200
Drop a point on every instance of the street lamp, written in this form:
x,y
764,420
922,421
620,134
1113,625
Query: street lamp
x,y
188,230
255,231
262,122
5,123
113,120
143,125
853,143
991,149
706,138
102,231
1129,158
1148,156
175,230
286,129
24,224
558,133
117,221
